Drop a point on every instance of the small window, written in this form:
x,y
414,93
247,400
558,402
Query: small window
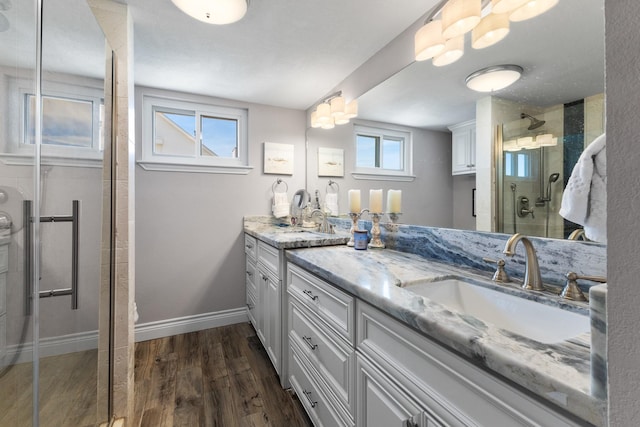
x,y
179,135
66,122
520,164
382,153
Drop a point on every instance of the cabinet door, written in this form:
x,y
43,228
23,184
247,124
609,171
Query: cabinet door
x,y
261,309
460,161
380,403
272,315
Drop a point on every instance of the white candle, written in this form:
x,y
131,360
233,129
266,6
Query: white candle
x,y
354,201
375,201
394,201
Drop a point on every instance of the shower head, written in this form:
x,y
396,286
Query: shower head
x,y
535,123
552,178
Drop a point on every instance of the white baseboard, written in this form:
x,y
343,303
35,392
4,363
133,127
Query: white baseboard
x,y
83,341
53,346
184,325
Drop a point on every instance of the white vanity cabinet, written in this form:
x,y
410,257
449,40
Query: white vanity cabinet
x,y
264,270
463,148
450,390
321,334
381,403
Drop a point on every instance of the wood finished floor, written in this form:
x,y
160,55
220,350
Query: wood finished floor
x,y
67,392
217,377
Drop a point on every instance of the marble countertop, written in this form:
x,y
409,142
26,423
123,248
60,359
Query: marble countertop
x,y
559,373
281,235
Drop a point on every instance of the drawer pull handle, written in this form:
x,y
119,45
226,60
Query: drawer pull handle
x,y
264,277
249,246
308,396
310,294
409,423
250,306
250,273
311,345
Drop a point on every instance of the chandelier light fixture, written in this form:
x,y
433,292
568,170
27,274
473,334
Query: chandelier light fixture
x,y
488,24
333,110
218,12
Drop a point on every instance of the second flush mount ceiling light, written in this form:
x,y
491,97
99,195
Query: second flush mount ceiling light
x,y
219,12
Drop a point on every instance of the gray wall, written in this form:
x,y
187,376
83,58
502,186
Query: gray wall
x,y
189,247
427,200
623,137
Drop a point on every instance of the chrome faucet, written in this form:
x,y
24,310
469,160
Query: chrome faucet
x,y
324,226
532,278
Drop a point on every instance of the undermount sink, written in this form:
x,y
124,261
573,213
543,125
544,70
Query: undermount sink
x,y
539,322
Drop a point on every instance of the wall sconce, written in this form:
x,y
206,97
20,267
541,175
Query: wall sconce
x,y
333,111
458,17
219,12
494,78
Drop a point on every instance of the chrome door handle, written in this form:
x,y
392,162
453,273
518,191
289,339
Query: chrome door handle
x,y
310,294
311,345
307,394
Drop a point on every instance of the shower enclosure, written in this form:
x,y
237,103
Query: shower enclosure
x,y
55,215
535,157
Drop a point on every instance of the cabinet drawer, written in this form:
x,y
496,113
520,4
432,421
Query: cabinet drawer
x,y
269,257
250,246
451,387
330,304
250,279
326,351
310,393
4,258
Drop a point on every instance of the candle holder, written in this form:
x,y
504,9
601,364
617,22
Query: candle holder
x,y
355,216
375,242
395,217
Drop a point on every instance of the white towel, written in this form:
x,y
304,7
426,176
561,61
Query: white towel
x,y
584,201
280,205
331,203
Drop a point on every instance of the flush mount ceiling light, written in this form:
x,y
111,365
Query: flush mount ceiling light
x,y
219,12
494,78
332,111
489,21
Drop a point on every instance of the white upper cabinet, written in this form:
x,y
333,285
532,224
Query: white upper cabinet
x,y
463,151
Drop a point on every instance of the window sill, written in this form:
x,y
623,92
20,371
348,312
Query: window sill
x,y
197,168
13,159
382,177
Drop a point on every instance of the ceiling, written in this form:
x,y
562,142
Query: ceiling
x,y
283,53
292,53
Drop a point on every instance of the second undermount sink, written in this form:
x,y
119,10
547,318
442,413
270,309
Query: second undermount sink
x,y
540,322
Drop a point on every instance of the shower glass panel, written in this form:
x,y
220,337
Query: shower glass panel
x,y
55,172
535,157
17,171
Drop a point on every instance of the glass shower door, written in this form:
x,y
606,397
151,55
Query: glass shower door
x,y
55,188
17,184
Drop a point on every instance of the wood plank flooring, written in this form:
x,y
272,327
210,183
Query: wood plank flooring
x,y
217,377
67,392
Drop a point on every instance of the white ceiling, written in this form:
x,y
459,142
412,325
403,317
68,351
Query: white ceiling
x,y
286,53
291,53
